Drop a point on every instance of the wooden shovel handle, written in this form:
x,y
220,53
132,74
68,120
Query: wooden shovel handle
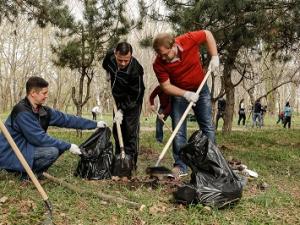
x,y
23,161
167,126
162,154
120,137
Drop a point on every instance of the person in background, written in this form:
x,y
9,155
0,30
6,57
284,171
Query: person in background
x,y
257,114
221,111
163,111
287,115
242,113
280,117
95,111
28,123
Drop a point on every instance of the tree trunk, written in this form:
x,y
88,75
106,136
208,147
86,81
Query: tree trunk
x,y
229,110
229,89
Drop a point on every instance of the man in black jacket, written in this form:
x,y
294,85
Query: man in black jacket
x,y
126,75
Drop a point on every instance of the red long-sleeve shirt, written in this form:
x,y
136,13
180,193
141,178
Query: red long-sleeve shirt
x,y
186,73
164,99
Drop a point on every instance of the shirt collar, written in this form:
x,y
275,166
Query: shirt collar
x,y
178,51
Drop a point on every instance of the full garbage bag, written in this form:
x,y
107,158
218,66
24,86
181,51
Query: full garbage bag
x,y
212,182
97,156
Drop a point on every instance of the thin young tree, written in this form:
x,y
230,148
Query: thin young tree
x,y
83,45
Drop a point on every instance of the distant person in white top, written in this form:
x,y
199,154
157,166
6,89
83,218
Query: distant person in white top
x,y
95,111
242,113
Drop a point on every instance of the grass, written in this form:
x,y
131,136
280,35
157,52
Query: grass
x,y
273,152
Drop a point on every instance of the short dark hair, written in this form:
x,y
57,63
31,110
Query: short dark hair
x,y
123,48
35,83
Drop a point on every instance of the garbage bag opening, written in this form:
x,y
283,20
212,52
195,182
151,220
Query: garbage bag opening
x,y
97,156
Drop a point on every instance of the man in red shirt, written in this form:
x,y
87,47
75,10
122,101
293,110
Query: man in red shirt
x,y
179,71
163,111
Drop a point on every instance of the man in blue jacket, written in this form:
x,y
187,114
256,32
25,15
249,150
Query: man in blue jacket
x,y
28,124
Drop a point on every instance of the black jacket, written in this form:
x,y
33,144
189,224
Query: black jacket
x,y
127,84
221,104
257,107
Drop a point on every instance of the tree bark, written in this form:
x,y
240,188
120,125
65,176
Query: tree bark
x,y
229,88
229,91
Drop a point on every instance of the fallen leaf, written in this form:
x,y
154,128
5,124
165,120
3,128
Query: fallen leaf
x,y
142,207
26,206
103,202
158,208
114,220
207,208
3,199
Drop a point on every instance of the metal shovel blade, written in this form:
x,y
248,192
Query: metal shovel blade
x,y
122,165
48,220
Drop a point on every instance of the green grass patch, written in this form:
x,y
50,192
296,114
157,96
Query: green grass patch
x,y
273,153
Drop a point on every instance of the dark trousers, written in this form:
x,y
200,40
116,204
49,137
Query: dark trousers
x,y
242,116
280,119
220,114
287,121
159,134
94,115
130,128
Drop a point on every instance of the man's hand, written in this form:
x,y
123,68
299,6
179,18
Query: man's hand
x,y
101,124
75,149
214,64
161,116
118,116
191,96
153,107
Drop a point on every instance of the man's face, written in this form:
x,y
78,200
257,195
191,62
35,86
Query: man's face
x,y
122,60
39,96
166,54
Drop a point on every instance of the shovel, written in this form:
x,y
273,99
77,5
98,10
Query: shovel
x,y
167,126
48,220
159,169
123,165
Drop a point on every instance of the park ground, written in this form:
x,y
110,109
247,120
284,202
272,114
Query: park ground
x,y
273,152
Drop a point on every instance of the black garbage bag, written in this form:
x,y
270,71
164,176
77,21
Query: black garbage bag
x,y
97,156
212,183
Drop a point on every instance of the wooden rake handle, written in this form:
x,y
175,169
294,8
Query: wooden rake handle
x,y
167,126
23,161
165,149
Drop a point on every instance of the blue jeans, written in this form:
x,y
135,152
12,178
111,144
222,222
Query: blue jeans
x,y
159,135
44,157
257,116
202,112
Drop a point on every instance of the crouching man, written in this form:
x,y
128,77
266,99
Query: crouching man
x,y
28,123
